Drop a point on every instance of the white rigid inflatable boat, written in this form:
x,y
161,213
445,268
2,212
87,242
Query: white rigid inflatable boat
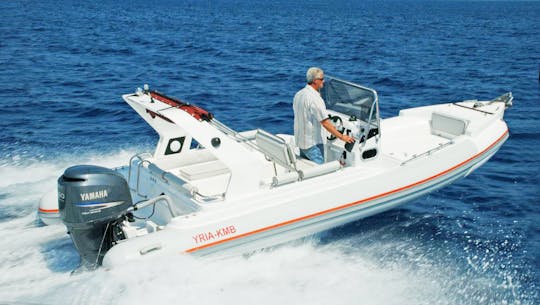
x,y
209,189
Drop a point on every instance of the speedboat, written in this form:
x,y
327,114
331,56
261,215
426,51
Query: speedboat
x,y
208,189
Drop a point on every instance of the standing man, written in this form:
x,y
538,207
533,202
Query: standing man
x,y
309,115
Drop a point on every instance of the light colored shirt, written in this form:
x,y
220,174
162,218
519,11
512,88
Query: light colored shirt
x,y
309,112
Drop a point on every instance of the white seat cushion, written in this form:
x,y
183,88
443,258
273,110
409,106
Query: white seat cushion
x,y
203,170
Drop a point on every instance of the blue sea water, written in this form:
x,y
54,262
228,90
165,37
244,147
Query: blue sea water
x,y
64,65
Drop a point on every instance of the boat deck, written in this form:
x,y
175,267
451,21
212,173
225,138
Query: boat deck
x,y
405,138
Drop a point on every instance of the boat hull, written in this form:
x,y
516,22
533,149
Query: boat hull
x,y
271,219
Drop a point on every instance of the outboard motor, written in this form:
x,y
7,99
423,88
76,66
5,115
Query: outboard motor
x,y
93,201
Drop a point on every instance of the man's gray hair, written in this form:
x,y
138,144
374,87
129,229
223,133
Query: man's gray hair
x,y
312,73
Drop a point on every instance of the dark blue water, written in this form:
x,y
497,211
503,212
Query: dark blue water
x,y
64,65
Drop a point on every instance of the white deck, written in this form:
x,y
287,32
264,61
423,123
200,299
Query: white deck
x,y
406,137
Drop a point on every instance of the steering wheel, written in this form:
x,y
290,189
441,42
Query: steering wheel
x,y
338,123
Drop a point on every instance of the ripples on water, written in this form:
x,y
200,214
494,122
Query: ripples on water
x,y
65,65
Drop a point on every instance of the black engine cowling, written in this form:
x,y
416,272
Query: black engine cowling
x,y
92,200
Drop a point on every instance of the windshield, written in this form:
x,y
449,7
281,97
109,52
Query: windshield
x,y
350,99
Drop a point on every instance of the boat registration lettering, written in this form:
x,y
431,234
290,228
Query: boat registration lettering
x,y
209,236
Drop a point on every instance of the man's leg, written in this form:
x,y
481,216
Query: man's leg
x,y
314,153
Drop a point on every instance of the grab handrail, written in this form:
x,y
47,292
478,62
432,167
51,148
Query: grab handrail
x,y
427,153
138,156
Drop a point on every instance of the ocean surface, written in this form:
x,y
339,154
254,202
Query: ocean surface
x,y
64,65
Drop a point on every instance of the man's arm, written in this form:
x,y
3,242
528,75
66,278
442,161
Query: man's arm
x,y
332,129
